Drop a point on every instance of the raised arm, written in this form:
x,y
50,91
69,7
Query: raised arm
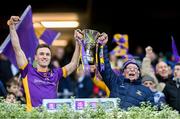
x,y
108,74
75,59
146,64
19,54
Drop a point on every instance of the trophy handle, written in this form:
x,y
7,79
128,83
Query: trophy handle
x,y
78,34
103,38
79,31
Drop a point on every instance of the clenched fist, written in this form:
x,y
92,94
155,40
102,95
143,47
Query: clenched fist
x,y
149,53
78,35
13,20
103,39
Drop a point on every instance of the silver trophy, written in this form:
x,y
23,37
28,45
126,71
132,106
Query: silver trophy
x,y
89,45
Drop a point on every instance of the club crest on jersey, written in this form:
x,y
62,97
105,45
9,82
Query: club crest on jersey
x,y
138,92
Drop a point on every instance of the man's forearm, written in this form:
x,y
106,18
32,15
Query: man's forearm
x,y
74,61
14,38
19,54
75,57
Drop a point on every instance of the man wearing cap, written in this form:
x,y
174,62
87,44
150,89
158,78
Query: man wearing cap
x,y
126,86
159,97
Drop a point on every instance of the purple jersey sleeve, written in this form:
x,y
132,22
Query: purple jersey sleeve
x,y
24,71
60,72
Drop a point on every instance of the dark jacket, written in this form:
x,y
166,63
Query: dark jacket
x,y
130,93
84,88
172,93
161,79
3,91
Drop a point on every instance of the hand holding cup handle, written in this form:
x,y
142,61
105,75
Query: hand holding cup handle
x,y
78,35
103,39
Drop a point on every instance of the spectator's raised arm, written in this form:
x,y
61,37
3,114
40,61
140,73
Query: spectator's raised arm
x,y
146,64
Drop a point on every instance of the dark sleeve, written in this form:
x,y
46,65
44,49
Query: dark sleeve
x,y
150,97
3,91
166,93
108,76
89,86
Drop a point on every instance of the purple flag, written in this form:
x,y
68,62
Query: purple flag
x,y
49,36
27,38
174,50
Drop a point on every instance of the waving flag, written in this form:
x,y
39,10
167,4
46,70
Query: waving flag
x,y
121,40
27,38
122,49
48,36
174,50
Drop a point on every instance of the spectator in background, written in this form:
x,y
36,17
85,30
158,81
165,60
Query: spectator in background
x,y
100,89
15,86
172,89
10,98
59,56
5,70
159,98
139,53
3,91
84,85
161,72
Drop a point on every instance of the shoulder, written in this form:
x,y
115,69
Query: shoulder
x,y
145,89
161,86
170,85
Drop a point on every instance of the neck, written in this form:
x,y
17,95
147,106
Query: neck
x,y
42,69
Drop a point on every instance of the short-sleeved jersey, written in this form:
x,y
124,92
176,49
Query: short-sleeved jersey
x,y
40,85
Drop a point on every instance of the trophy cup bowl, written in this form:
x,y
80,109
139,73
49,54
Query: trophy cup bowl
x,y
90,40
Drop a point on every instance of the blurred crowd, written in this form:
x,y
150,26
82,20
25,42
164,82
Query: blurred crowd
x,y
159,72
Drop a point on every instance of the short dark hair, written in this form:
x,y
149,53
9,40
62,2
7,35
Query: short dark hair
x,y
177,64
12,81
43,46
10,93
